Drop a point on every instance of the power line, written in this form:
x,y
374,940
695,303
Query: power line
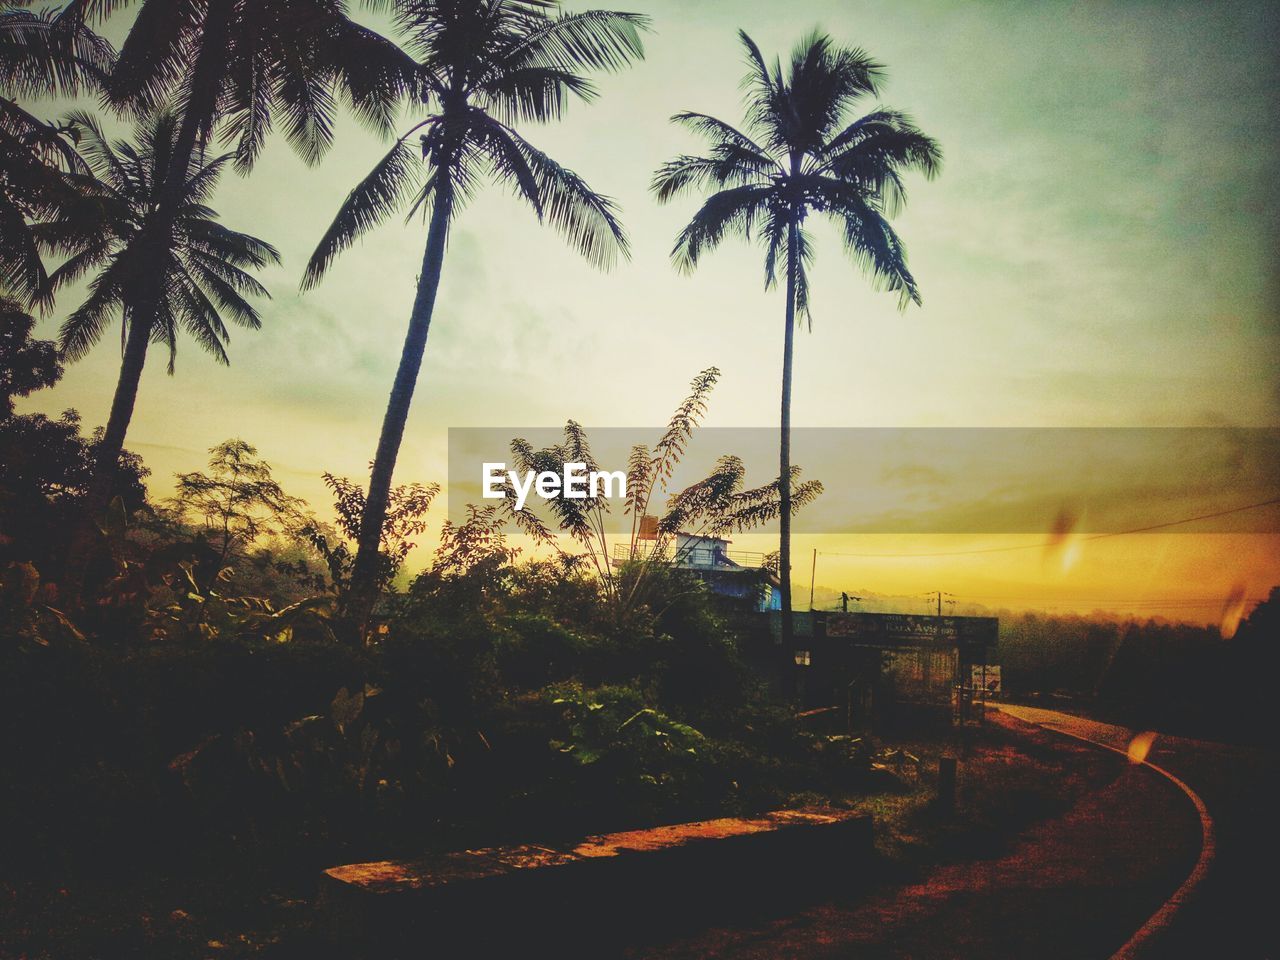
x,y
1041,546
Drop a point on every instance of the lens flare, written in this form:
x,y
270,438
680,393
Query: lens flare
x,y
1232,612
1140,746
1063,549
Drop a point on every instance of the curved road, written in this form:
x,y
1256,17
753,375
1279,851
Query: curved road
x,y
1226,906
1074,887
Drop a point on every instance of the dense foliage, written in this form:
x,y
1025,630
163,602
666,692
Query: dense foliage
x,y
199,703
1153,674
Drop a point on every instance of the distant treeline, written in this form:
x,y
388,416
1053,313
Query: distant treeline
x,y
1171,676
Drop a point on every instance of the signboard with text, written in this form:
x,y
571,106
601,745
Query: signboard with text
x,y
911,629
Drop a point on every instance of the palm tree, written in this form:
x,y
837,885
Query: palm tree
x,y
45,53
800,155
202,273
234,68
483,65
241,65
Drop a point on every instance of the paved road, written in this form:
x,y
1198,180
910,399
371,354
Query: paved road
x,y
1231,913
1070,888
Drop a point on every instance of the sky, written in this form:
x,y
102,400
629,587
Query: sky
x,y
1099,250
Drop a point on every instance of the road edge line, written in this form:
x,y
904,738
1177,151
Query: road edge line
x,y
1163,917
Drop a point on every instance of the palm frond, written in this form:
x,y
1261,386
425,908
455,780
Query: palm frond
x,y
594,39
249,108
588,220
21,269
95,148
307,107
871,241
374,74
367,205
75,267
85,325
197,315
238,249
730,167
45,53
736,209
239,280
884,138
719,132
228,298
823,82
507,159
536,94
157,54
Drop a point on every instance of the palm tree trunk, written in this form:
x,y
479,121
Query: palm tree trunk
x,y
784,457
202,102
207,75
107,458
364,576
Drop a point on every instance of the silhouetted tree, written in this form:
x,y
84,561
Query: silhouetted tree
x,y
236,68
26,365
482,66
201,270
800,156
42,53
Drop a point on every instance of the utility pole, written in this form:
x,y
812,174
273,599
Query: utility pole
x,y
813,573
939,594
927,654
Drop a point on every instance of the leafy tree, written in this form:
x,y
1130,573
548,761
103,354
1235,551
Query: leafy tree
x,y
26,365
482,66
404,522
713,506
799,155
238,500
46,467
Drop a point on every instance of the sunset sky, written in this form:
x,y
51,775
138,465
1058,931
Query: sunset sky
x,y
1100,250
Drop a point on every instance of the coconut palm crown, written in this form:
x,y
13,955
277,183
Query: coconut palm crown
x,y
801,154
204,273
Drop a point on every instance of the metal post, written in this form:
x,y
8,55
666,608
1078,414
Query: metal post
x,y
813,573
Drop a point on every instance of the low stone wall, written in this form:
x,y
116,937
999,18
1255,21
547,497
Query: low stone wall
x,y
618,883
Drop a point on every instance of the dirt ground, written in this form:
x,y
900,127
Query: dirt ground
x,y
1116,842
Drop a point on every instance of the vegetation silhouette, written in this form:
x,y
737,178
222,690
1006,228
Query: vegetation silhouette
x,y
481,67
800,155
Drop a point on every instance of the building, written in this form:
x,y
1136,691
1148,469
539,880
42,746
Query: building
x,y
729,573
739,574
874,667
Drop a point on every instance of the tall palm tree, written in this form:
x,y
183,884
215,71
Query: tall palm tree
x,y
234,68
801,155
202,273
483,65
42,53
